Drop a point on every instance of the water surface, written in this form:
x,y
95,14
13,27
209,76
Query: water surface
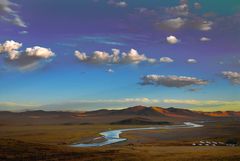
x,y
113,136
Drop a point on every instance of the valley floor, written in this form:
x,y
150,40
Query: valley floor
x,y
50,142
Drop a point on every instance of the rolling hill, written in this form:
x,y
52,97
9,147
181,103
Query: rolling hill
x,y
154,114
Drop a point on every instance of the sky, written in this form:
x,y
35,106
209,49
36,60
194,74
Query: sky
x,y
92,54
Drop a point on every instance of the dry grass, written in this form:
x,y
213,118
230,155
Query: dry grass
x,y
13,150
55,134
48,142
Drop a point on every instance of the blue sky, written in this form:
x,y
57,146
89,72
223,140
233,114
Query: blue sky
x,y
57,55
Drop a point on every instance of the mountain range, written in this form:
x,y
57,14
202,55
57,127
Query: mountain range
x,y
163,112
156,114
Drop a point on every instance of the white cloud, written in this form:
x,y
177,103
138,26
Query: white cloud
x,y
151,60
18,21
204,25
10,45
133,57
14,54
166,60
110,71
172,39
174,23
180,10
9,15
118,3
179,17
121,4
176,101
9,106
80,56
11,48
234,77
124,100
98,57
5,6
205,39
40,52
171,81
101,57
192,61
26,60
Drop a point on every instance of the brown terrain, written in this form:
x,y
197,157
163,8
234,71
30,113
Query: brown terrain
x,y
46,135
108,116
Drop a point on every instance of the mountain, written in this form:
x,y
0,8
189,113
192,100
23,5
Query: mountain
x,y
123,116
150,111
223,114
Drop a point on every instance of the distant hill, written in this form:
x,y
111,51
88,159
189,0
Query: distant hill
x,y
223,114
150,111
137,114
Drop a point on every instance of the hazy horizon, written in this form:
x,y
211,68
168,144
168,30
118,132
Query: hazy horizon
x,y
195,105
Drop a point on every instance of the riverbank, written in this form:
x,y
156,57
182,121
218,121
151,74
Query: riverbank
x,y
113,136
51,142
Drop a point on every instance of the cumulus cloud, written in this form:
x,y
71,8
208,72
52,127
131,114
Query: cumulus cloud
x,y
24,60
40,52
180,10
174,23
203,25
186,22
101,57
81,56
133,57
180,17
9,15
10,45
172,39
11,48
166,60
204,39
171,81
192,61
98,57
234,77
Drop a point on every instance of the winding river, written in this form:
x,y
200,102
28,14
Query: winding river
x,y
113,136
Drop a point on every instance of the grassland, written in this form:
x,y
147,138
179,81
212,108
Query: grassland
x,y
23,151
50,142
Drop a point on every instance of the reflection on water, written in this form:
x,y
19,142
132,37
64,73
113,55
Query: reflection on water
x,y
113,136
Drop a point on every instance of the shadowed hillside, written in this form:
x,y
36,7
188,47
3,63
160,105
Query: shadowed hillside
x,y
139,121
155,114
